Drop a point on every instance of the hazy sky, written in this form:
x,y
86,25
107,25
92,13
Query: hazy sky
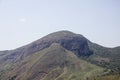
x,y
23,21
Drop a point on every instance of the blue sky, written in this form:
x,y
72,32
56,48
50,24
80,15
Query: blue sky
x,y
23,21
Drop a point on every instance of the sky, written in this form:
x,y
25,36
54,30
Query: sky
x,y
24,21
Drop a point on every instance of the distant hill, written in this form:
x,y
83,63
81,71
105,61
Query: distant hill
x,y
106,57
61,55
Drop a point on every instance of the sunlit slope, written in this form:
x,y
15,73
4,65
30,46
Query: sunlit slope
x,y
53,63
109,77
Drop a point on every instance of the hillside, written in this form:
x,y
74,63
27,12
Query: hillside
x,y
61,55
105,57
53,63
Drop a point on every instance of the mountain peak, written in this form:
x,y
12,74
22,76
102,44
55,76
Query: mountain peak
x,y
62,35
63,32
68,40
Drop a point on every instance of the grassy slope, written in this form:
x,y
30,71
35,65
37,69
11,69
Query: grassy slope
x,y
109,77
106,57
53,63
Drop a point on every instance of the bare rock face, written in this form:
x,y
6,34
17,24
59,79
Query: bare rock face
x,y
71,41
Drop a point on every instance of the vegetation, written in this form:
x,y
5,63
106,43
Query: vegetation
x,y
54,63
105,57
61,55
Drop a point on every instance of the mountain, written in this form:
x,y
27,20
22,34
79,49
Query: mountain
x,y
105,57
73,42
53,63
61,55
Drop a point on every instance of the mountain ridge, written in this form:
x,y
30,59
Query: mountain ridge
x,y
65,38
78,45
